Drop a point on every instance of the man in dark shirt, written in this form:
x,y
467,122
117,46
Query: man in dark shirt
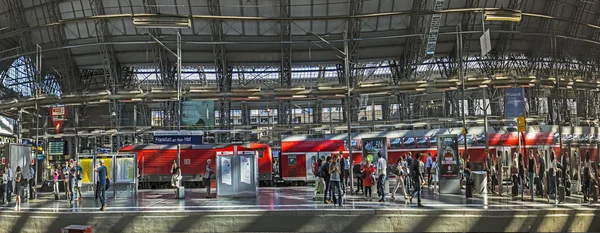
x,y
541,172
342,168
417,176
325,175
101,170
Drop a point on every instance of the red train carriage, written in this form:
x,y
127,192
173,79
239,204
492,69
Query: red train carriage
x,y
298,150
154,162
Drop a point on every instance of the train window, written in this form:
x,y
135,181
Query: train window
x,y
480,139
395,143
432,141
471,140
292,161
422,142
409,142
556,138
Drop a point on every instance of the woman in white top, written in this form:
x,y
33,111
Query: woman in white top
x,y
587,174
435,171
400,178
552,169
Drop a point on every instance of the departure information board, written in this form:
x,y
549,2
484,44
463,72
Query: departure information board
x,y
56,148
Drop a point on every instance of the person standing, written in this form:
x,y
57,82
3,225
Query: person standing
x,y
541,172
400,179
3,177
102,172
409,160
435,171
66,180
335,177
367,180
428,165
79,181
381,174
342,164
587,181
9,182
325,175
19,181
97,191
208,171
522,175
55,178
415,171
176,173
531,169
72,181
31,181
552,169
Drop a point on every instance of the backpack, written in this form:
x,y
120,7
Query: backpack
x,y
324,170
316,169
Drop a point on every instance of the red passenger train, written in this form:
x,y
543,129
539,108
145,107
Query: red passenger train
x,y
154,162
298,152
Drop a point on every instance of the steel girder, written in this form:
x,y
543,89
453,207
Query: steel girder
x,y
165,69
70,76
17,20
109,64
355,69
223,71
284,113
404,68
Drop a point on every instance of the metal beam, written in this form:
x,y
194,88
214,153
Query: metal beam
x,y
109,64
355,75
284,113
70,76
223,71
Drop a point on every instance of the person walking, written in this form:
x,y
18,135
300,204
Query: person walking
x,y
97,191
428,167
415,171
102,172
552,169
19,181
31,182
531,169
342,164
522,175
208,171
3,177
400,179
381,174
368,179
409,179
79,181
72,181
335,176
318,179
587,175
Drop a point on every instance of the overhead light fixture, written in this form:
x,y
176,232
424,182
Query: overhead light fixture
x,y
162,21
503,15
298,96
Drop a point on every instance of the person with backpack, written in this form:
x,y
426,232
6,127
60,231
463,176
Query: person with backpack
x,y
318,179
102,173
415,171
72,182
324,171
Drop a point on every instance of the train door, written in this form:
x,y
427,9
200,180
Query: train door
x,y
311,159
575,162
504,154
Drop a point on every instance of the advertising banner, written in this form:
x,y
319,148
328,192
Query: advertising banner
x,y
245,169
448,156
226,170
372,146
58,115
514,102
200,113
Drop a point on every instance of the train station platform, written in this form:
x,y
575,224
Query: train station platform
x,y
284,209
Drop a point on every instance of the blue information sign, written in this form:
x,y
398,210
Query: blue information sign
x,y
514,102
178,139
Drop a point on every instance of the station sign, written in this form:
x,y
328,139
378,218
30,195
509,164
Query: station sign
x,y
58,115
178,137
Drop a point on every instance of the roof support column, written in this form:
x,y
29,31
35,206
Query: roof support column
x,y
354,28
245,114
70,75
222,70
284,112
110,66
318,112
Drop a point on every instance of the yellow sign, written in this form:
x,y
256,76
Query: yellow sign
x,y
464,131
522,125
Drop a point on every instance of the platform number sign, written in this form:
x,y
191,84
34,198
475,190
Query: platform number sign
x,y
187,161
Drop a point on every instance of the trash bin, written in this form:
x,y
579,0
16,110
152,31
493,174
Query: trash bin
x,y
480,180
77,229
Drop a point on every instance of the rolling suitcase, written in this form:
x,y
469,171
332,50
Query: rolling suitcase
x,y
595,193
180,192
515,189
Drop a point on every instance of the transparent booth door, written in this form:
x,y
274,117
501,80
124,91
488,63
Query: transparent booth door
x,y
125,170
